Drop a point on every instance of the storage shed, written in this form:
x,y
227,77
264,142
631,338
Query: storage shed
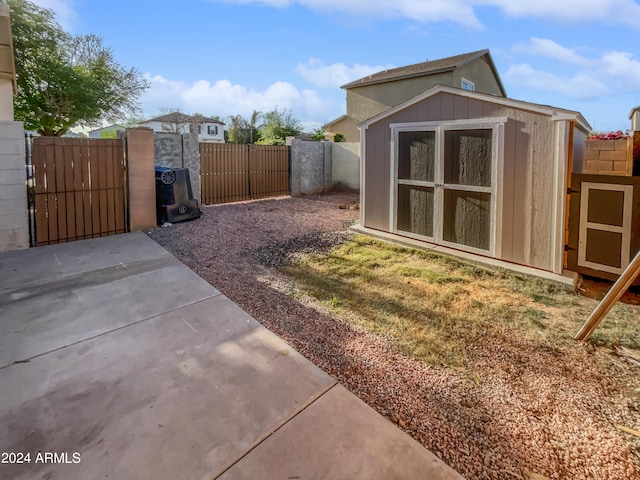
x,y
483,176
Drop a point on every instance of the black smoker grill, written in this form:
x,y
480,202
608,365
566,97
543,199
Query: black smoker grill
x,y
174,198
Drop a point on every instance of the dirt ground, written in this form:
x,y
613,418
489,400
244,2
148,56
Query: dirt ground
x,y
513,413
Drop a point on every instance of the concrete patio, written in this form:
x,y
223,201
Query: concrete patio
x,y
112,349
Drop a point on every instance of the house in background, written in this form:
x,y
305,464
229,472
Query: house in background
x,y
473,174
376,93
208,129
110,131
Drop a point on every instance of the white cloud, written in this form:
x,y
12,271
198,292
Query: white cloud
x,y
550,49
622,69
608,11
590,77
224,98
456,11
578,86
335,75
463,12
63,9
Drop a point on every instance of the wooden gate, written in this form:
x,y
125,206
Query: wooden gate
x,y
77,189
231,173
604,224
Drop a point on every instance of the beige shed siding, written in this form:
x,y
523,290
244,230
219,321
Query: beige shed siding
x,y
376,178
578,149
528,173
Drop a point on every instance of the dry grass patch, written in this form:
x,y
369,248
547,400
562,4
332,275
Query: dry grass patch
x,y
436,308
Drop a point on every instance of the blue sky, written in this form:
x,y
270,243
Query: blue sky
x,y
227,57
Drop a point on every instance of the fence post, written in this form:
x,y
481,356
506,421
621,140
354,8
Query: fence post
x,y
142,183
249,171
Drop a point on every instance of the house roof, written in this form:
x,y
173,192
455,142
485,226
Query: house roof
x,y
556,113
179,117
428,68
334,121
108,127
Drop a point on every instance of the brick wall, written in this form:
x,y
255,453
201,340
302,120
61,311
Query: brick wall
x,y
608,157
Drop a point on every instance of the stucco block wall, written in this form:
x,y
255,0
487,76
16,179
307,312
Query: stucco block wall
x,y
345,166
311,167
608,157
14,220
142,183
180,151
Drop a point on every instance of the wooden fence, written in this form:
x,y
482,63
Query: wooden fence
x,y
232,173
77,189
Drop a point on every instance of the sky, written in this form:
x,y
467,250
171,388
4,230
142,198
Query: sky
x,y
230,57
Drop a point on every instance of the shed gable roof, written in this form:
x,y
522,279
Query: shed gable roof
x,y
556,113
427,68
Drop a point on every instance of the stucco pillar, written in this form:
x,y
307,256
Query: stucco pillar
x,y
142,184
7,66
14,220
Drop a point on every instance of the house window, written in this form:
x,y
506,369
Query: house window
x,y
468,85
445,179
212,130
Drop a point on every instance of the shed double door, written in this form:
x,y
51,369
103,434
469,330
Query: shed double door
x,y
445,185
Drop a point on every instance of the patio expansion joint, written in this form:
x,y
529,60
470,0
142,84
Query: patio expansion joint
x,y
275,429
102,334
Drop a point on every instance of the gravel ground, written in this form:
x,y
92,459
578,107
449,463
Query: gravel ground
x,y
513,413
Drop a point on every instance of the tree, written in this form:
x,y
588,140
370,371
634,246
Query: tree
x,y
317,134
65,80
241,130
277,126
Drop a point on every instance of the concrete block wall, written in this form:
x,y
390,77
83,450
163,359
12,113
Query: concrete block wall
x,y
14,218
345,166
178,151
311,167
608,157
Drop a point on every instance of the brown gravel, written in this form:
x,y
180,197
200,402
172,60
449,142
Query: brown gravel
x,y
514,412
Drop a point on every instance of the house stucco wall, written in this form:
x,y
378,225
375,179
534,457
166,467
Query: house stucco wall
x,y
370,100
528,175
480,73
185,128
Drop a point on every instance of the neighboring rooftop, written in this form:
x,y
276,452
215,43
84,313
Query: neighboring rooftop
x,y
426,68
179,117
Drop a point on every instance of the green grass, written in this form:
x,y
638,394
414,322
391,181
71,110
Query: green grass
x,y
435,307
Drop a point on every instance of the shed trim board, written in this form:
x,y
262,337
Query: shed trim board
x,y
567,277
438,185
624,229
362,176
561,173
